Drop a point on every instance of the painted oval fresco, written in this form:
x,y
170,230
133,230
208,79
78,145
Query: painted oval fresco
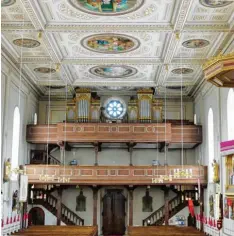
x,y
110,43
183,71
113,71
26,43
196,43
107,7
6,3
44,70
215,4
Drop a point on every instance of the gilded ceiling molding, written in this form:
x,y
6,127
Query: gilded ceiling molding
x,y
109,28
182,14
58,27
35,16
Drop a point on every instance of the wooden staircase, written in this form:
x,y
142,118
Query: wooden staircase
x,y
45,198
176,204
40,157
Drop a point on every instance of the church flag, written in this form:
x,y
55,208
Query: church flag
x,y
191,207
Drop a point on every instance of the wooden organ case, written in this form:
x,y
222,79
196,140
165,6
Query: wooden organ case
x,y
143,108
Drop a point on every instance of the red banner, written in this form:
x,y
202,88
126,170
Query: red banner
x,y
191,207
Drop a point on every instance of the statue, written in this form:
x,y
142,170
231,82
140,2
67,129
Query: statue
x,y
147,202
81,202
7,170
215,171
15,200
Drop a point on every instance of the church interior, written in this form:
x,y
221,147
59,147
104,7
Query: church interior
x,y
117,117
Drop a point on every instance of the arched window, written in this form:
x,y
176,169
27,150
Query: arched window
x,y
15,140
35,119
230,114
195,119
210,142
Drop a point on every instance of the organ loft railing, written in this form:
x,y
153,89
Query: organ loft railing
x,y
86,107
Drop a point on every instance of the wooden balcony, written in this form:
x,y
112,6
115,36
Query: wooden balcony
x,y
191,135
116,175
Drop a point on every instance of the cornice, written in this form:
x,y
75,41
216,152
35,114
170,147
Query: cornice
x,y
36,16
9,59
182,14
111,27
84,27
17,26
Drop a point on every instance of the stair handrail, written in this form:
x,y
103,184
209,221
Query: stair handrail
x,y
73,213
63,207
45,160
178,197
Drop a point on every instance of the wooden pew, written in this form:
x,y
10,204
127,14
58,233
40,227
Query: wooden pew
x,y
59,230
163,231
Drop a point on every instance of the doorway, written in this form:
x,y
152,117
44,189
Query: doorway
x,y
36,216
113,212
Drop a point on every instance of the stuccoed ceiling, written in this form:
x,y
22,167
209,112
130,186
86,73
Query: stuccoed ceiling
x,y
139,43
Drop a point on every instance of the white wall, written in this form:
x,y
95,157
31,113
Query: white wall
x,y
158,201
50,219
215,98
114,156
15,93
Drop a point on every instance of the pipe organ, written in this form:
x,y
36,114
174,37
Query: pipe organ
x,y
95,110
84,108
132,111
145,97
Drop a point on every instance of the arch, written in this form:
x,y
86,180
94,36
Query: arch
x,y
230,114
15,141
195,119
210,142
36,216
35,119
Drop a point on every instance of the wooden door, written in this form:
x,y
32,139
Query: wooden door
x,y
114,212
36,216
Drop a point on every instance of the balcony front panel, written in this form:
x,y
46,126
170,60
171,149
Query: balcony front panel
x,y
99,132
116,175
42,134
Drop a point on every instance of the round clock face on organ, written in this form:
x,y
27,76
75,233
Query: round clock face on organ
x,y
107,7
115,108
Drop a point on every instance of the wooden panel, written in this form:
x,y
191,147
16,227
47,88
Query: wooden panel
x,y
190,134
42,133
116,175
94,132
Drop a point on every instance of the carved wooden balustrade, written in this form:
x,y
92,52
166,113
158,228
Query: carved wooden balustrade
x,y
116,175
42,157
43,197
113,132
175,205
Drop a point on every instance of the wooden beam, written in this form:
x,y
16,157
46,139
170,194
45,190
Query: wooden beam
x,y
202,207
130,148
130,191
162,146
96,149
166,205
59,206
114,175
95,198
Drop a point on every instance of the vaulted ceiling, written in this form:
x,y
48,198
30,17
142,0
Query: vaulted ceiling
x,y
116,45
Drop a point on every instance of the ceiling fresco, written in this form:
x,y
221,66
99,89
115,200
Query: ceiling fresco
x,y
107,7
116,45
110,43
6,3
113,71
26,43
